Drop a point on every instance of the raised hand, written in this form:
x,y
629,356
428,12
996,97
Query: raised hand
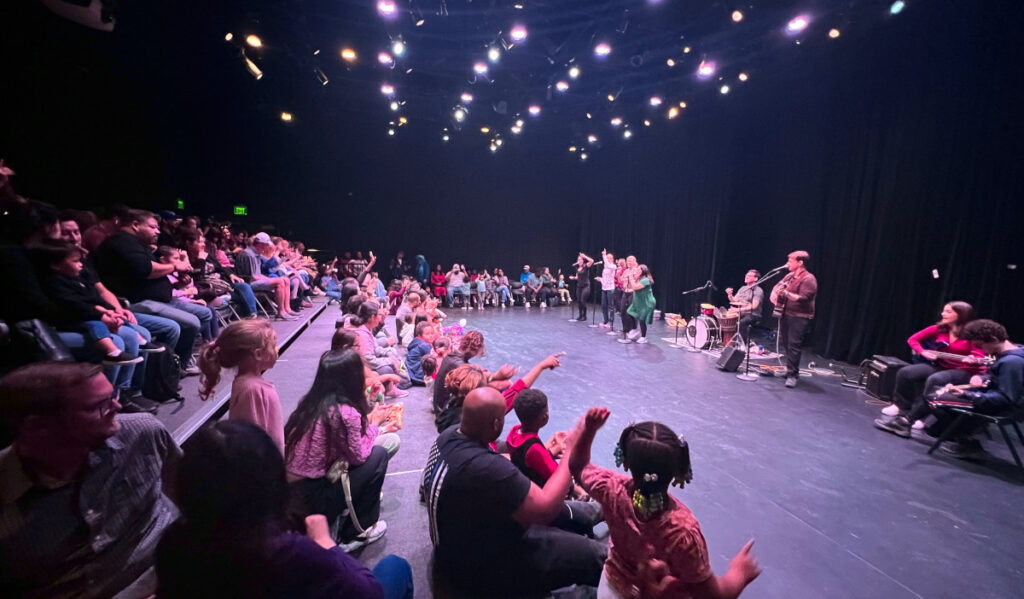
x,y
553,361
745,564
595,418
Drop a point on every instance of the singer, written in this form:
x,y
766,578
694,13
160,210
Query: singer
x,y
794,298
582,278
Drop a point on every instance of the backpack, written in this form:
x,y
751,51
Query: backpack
x,y
163,377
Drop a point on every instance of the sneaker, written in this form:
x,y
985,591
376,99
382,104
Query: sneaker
x,y
918,425
891,410
921,435
190,369
503,306
151,348
897,426
965,449
543,306
120,359
138,405
396,392
624,340
307,304
791,382
372,534
612,332
642,340
633,334
281,316
574,320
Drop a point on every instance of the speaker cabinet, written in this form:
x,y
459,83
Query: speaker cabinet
x,y
731,359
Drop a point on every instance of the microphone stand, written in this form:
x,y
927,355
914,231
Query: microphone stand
x,y
593,313
746,376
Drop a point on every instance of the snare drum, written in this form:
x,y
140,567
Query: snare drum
x,y
702,332
707,309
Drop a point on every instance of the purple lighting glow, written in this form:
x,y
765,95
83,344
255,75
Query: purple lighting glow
x,y
797,24
387,8
706,70
517,33
601,50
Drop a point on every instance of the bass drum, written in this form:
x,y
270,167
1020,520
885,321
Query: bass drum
x,y
702,332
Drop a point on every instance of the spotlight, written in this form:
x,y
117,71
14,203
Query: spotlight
x,y
387,89
583,155
466,98
229,36
494,54
485,130
670,62
574,72
686,49
387,8
534,110
255,42
682,104
494,147
743,77
287,117
627,134
385,59
391,132
498,141
616,122
445,138
402,120
348,55
737,16
724,89
673,112
647,123
897,7
517,33
655,100
516,129
395,106
459,114
601,50
797,24
706,70
572,148
611,97
398,48
253,69
519,122
833,33
480,68
562,86
592,139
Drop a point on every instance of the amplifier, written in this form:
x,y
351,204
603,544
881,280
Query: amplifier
x,y
880,376
731,359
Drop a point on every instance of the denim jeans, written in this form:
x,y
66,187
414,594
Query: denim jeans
x,y
395,575
244,296
503,290
82,349
608,305
188,317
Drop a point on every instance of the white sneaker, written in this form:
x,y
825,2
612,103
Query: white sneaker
x,y
633,334
543,306
642,340
503,306
612,332
573,320
918,425
891,410
624,340
372,534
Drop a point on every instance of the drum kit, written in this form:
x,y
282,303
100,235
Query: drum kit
x,y
713,327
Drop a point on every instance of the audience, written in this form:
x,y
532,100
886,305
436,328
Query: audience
x,y
334,440
656,548
419,349
249,266
85,493
233,538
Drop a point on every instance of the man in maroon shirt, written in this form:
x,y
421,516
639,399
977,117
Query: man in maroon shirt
x,y
794,298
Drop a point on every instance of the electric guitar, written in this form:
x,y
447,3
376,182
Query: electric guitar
x,y
938,347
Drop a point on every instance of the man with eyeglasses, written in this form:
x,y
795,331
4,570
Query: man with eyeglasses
x,y
82,496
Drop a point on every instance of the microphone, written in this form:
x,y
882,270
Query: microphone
x,y
598,262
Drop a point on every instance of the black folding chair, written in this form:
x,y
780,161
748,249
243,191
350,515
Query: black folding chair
x,y
1001,422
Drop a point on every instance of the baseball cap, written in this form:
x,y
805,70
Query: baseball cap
x,y
262,238
168,215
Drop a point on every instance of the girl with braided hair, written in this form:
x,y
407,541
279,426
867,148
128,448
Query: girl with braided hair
x,y
656,547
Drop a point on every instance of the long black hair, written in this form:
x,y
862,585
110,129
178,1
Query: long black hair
x,y
339,381
233,496
366,311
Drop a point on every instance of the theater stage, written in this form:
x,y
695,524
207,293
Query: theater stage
x,y
837,508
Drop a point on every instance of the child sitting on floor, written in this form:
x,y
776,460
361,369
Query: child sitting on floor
x,y
534,458
656,548
429,365
418,349
251,347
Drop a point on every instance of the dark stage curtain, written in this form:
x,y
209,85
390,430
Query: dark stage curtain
x,y
884,162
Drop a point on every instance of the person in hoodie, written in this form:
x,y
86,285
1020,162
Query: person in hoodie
x,y
999,393
418,349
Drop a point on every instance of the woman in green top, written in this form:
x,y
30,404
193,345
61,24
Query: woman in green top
x,y
642,308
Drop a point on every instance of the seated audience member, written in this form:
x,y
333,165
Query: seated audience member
x,y
82,504
999,393
250,346
233,538
470,346
127,268
368,318
343,339
406,310
111,223
184,289
69,228
248,266
656,548
489,524
418,349
534,286
429,366
335,423
212,278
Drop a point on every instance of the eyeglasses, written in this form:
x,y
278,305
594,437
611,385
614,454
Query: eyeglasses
x,y
104,407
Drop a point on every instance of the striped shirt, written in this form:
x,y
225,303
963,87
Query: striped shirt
x,y
96,535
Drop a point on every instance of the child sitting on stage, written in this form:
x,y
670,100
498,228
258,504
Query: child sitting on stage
x,y
418,349
656,548
534,458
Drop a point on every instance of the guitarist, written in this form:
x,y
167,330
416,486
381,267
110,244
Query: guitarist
x,y
959,360
1002,395
793,297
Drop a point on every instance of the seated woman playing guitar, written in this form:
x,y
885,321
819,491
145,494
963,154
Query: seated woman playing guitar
x,y
942,358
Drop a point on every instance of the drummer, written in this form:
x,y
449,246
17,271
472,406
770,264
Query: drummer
x,y
747,303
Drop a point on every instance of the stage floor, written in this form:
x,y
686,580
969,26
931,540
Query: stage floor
x,y
837,508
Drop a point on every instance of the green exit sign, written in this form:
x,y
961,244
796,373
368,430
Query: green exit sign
x,y
241,210
181,204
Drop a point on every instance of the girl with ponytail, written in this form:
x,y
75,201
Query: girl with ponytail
x,y
250,346
657,548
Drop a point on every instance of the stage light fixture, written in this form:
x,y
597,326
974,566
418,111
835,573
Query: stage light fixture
x,y
737,16
494,147
395,106
398,48
385,59
743,77
348,55
616,121
516,129
670,62
687,49
897,7
519,122
445,137
498,141
402,120
485,130
583,155
647,123
287,117
627,134
797,24
466,98
673,112
387,89
459,114
572,148
494,54
254,41
723,90
480,68
833,33
517,33
682,104
229,36
387,8
562,86
706,69
655,100
253,69
574,72
391,132
534,110
611,97
592,139
603,49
